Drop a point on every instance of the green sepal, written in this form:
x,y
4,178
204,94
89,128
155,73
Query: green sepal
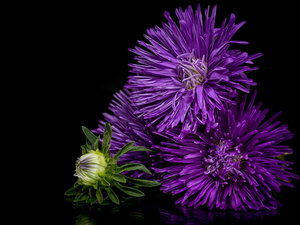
x,y
85,187
103,181
123,150
129,148
84,150
78,195
88,145
72,191
93,199
118,177
141,182
81,198
99,196
90,191
112,161
129,190
97,144
96,185
106,139
112,195
132,166
140,148
92,137
105,201
87,199
109,169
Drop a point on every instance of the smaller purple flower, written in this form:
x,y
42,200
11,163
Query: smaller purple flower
x,y
127,127
236,165
187,72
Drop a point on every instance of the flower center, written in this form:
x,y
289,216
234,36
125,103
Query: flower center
x,y
191,71
225,161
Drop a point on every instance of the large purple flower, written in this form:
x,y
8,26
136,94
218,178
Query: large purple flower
x,y
234,165
187,72
126,127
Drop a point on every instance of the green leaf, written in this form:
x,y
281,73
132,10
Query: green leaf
x,y
109,169
96,185
132,166
123,150
99,196
130,148
90,191
141,182
92,137
140,148
93,200
103,181
129,190
105,201
88,144
112,161
82,198
72,191
112,195
97,144
118,177
106,139
85,187
78,195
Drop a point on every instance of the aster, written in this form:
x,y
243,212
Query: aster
x,y
187,72
236,165
127,127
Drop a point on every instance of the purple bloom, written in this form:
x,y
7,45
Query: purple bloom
x,y
126,127
234,165
187,72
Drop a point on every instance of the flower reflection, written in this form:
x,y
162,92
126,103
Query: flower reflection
x,y
202,216
145,211
85,219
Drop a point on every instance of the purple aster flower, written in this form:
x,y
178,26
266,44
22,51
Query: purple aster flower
x,y
234,165
126,127
187,72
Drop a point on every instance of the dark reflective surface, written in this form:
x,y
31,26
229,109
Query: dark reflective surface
x,y
158,208
203,216
178,216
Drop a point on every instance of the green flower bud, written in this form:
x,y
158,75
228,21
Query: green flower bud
x,y
89,166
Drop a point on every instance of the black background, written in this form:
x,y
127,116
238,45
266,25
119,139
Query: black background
x,y
78,56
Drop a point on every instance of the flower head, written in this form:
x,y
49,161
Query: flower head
x,y
98,172
236,165
127,127
188,72
89,166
